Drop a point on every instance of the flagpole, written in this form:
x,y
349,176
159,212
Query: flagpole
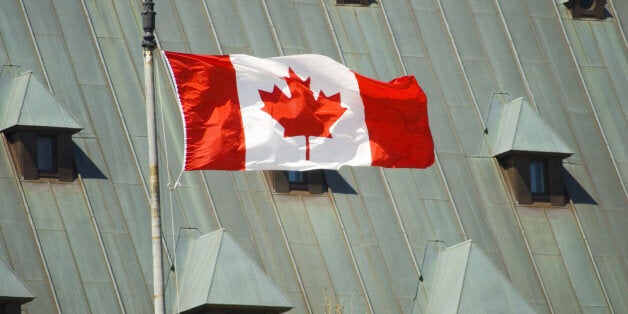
x,y
149,44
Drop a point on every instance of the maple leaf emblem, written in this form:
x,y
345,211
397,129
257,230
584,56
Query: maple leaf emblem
x,y
301,114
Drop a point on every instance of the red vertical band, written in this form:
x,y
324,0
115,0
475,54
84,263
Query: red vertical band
x,y
211,111
396,117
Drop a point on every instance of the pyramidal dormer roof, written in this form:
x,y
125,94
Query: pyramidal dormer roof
x,y
217,272
467,281
12,287
516,127
27,103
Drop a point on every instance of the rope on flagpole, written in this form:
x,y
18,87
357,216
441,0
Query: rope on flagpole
x,y
171,188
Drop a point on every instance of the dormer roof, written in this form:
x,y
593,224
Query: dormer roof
x,y
216,272
12,287
29,104
516,128
466,281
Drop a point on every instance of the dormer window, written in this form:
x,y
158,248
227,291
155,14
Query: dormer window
x,y
39,130
311,182
46,162
38,154
295,177
538,175
535,180
591,9
360,2
529,151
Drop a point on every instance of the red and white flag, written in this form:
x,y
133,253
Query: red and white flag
x,y
296,112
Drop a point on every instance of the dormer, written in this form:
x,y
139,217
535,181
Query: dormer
x,y
216,275
39,129
529,151
13,291
587,9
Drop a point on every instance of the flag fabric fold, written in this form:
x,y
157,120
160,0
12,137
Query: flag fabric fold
x,y
297,112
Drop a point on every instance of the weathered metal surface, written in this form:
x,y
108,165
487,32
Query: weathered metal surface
x,y
351,238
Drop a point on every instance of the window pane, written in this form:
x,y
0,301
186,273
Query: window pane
x,y
537,178
295,177
45,154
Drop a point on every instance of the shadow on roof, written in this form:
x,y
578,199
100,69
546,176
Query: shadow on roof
x,y
337,183
84,165
576,192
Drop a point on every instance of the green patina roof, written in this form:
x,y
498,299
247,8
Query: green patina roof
x,y
466,281
85,247
12,287
216,271
518,128
30,104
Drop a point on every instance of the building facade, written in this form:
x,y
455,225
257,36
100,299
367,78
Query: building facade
x,y
527,103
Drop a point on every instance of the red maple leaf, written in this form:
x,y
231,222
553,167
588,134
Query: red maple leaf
x,y
301,114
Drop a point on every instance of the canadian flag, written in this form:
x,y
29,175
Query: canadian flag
x,y
297,112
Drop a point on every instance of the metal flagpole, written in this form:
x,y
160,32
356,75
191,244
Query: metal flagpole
x,y
149,44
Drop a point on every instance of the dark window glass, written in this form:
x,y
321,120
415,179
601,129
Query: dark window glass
x,y
537,177
45,153
586,4
295,177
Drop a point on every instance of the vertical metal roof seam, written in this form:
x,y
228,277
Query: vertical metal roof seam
x,y
65,235
287,244
213,28
511,204
590,101
118,109
334,36
345,237
31,222
404,233
461,65
437,162
239,18
246,220
3,244
394,39
211,201
562,259
101,244
273,30
616,17
379,245
515,54
32,35
72,69
114,95
451,198
400,221
2,235
177,18
590,256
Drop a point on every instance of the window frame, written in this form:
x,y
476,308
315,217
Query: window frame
x,y
313,182
53,172
596,10
544,178
24,153
359,2
516,170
